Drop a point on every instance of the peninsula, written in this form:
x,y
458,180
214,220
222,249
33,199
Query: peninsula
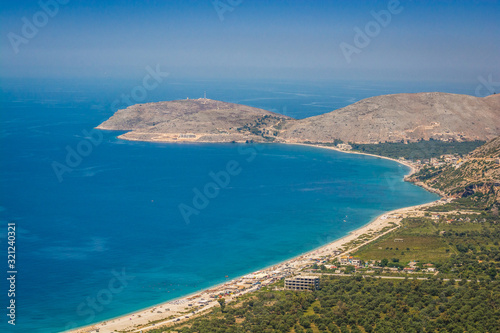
x,y
387,118
199,120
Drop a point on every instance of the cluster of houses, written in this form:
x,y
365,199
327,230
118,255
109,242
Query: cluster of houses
x,y
446,218
426,268
350,261
254,280
372,265
455,160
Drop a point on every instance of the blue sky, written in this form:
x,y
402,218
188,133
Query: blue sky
x,y
424,40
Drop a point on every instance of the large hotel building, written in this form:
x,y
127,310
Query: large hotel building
x,y
302,282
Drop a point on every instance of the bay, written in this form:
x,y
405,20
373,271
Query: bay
x,y
117,212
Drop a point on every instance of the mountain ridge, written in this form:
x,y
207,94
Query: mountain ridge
x,y
408,117
385,118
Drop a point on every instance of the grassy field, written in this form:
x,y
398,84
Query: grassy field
x,y
426,248
417,239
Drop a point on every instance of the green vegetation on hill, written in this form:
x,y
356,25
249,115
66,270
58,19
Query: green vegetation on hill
x,y
474,181
479,202
491,149
356,304
420,242
418,150
266,126
459,245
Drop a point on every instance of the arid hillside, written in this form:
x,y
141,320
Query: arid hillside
x,y
200,120
391,118
399,117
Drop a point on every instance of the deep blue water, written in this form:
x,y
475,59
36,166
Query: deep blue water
x,y
118,209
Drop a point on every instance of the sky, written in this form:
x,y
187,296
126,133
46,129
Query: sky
x,y
302,39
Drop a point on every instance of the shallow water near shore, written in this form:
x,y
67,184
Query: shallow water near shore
x,y
108,238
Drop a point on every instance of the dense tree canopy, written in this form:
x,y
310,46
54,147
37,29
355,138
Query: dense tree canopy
x,y
355,304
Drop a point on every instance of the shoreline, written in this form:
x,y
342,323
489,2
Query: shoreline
x,y
139,320
412,168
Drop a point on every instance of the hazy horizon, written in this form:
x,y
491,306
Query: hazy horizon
x,y
333,40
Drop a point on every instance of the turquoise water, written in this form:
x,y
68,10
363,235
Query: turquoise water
x,y
117,211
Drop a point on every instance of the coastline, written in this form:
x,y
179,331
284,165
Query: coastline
x,y
413,170
177,310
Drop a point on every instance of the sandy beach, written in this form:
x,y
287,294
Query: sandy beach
x,y
178,310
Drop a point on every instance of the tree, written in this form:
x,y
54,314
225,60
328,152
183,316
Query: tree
x,y
492,273
349,269
222,303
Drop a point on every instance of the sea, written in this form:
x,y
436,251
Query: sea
x,y
105,227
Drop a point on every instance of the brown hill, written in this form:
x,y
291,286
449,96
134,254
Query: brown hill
x,y
201,120
389,118
399,117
